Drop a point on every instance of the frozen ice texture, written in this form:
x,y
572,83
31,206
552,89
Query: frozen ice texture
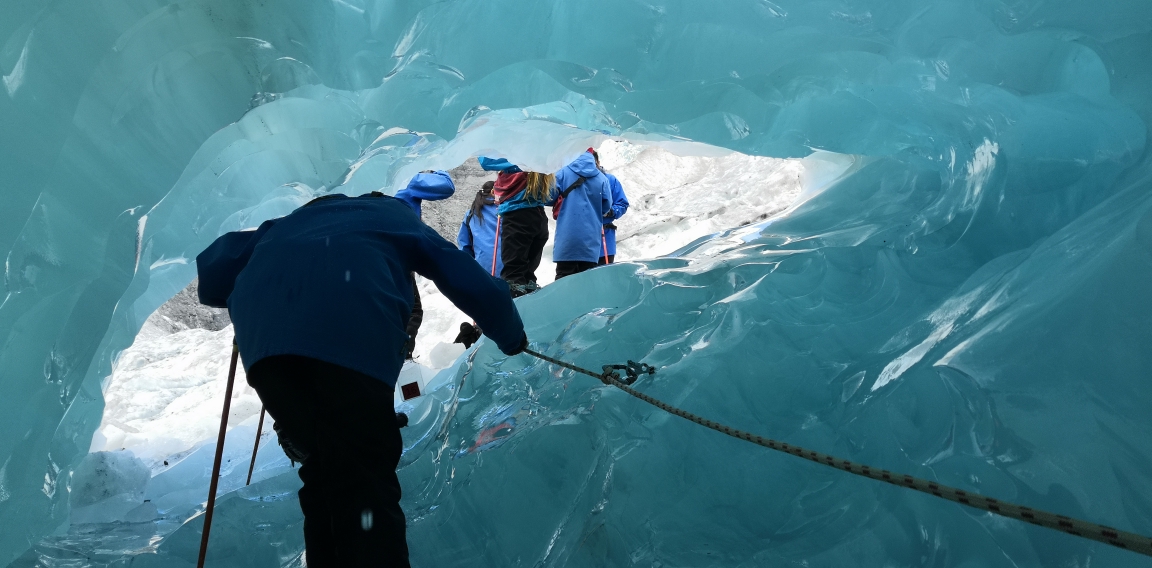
x,y
108,486
966,301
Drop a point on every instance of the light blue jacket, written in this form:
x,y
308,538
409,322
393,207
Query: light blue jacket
x,y
581,219
431,186
619,208
477,237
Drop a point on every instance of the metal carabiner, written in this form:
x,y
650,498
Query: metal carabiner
x,y
632,370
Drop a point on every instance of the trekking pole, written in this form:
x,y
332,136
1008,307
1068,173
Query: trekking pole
x,y
255,447
496,245
604,243
219,457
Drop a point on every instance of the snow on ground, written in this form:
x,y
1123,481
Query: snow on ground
x,y
165,392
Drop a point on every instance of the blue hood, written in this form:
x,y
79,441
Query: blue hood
x,y
426,186
584,166
498,165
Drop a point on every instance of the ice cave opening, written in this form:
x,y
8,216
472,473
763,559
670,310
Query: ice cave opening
x,y
950,282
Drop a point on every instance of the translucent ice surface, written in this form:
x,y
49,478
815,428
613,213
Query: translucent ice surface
x,y
961,294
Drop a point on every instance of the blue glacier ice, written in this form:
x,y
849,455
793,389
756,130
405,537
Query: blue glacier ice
x,y
967,300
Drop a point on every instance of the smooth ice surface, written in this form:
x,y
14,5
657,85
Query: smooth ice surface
x,y
966,302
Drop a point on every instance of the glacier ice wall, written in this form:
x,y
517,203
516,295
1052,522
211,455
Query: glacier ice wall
x,y
967,302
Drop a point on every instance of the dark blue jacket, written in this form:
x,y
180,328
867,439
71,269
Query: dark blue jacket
x,y
330,281
619,208
477,237
432,186
581,219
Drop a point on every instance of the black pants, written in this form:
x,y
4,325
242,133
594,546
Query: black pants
x,y
611,258
523,234
570,267
345,422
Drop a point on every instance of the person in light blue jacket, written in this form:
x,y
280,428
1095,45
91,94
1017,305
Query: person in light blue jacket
x,y
580,201
428,185
477,235
619,208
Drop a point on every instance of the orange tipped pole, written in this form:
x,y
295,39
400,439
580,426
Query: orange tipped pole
x,y
214,482
604,243
496,245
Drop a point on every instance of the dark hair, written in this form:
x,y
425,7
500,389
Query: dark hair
x,y
479,202
488,185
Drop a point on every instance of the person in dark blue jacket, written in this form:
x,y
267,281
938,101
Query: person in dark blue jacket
x,y
320,299
619,208
477,235
581,199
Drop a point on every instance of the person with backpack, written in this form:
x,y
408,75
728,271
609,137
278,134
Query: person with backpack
x,y
428,185
523,231
319,300
477,235
581,199
619,208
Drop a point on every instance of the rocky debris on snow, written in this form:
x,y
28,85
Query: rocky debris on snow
x,y
445,216
184,311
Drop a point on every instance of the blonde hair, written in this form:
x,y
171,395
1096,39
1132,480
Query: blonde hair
x,y
539,186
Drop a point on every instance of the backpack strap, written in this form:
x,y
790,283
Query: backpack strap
x,y
560,200
579,180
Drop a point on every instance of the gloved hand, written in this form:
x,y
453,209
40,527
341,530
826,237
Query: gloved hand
x,y
469,334
409,347
519,349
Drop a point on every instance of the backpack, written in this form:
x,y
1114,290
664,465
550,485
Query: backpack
x,y
560,199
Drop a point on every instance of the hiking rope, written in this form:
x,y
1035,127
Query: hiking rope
x,y
1084,529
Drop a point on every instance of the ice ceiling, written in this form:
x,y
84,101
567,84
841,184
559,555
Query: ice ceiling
x,y
968,302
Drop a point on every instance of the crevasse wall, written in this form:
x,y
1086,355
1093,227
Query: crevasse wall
x,y
983,260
